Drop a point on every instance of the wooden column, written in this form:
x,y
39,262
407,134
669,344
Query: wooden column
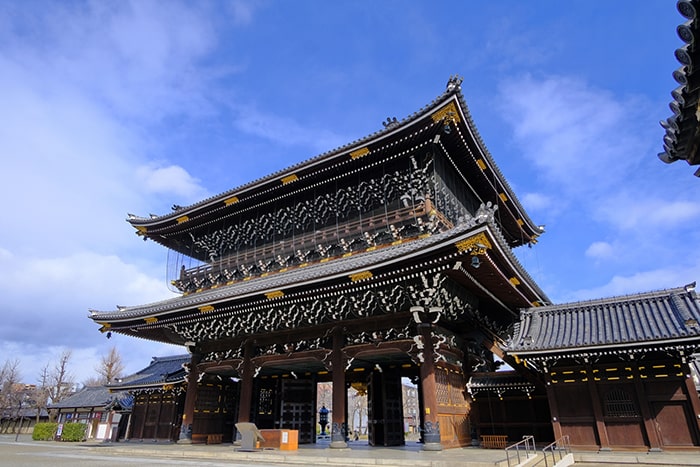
x,y
597,410
554,409
338,425
190,399
431,423
691,394
649,423
246,394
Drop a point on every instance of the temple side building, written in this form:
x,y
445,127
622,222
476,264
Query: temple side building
x,y
387,258
158,396
618,371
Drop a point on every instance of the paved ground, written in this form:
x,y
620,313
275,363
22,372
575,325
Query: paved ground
x,y
35,453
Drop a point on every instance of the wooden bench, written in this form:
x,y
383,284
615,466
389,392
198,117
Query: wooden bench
x,y
494,441
214,438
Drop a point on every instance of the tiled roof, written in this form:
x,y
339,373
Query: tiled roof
x,y
452,91
681,139
497,381
653,318
162,370
89,397
310,273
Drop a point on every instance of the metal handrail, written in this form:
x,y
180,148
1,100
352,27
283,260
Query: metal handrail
x,y
527,444
558,448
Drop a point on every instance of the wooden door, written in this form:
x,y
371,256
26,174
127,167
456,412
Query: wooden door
x,y
152,415
166,417
674,424
393,409
375,416
298,408
385,409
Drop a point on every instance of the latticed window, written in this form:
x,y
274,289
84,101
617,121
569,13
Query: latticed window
x,y
619,403
266,401
442,386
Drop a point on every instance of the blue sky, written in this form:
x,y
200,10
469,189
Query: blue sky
x,y
116,107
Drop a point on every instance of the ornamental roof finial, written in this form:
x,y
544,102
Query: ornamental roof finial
x,y
454,83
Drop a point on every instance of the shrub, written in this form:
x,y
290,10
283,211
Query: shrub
x,y
73,432
44,431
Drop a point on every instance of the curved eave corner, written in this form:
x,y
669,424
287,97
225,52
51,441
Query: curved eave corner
x,y
682,140
488,166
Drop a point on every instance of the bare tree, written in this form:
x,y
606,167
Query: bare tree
x,y
42,392
12,394
111,367
60,379
10,390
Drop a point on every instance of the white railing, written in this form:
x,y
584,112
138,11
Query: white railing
x,y
524,448
556,451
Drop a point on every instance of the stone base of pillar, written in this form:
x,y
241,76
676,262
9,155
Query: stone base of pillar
x,y
432,447
338,445
185,435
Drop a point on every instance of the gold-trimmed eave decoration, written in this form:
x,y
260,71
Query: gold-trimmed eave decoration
x,y
359,276
449,113
475,245
356,154
289,179
274,295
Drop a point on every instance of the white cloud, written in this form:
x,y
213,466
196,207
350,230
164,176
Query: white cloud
x,y
643,281
242,11
627,211
600,250
579,137
285,131
54,291
536,201
171,180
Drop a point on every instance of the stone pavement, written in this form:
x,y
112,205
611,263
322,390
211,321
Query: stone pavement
x,y
360,454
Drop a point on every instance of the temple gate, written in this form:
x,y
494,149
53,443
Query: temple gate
x,y
386,258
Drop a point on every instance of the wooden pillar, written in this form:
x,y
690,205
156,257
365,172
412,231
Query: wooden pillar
x,y
190,399
246,393
338,425
597,410
649,423
691,394
431,423
554,410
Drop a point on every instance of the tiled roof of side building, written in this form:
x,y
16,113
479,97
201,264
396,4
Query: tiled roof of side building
x,y
658,318
504,379
89,396
161,370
